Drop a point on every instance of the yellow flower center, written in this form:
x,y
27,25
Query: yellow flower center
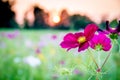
x,y
81,39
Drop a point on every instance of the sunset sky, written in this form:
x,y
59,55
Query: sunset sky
x,y
95,9
92,8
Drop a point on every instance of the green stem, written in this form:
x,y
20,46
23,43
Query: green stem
x,y
118,44
67,78
97,78
93,58
99,62
105,60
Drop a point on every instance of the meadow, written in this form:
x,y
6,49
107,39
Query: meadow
x,y
37,55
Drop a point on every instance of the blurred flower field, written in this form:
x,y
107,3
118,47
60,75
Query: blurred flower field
x,y
37,55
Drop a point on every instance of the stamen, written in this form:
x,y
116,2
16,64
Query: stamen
x,y
81,39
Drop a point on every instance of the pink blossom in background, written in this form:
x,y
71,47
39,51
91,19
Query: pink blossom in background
x,y
77,72
62,62
12,35
54,37
48,39
38,51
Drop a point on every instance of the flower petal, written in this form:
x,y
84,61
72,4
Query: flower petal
x,y
106,42
101,38
95,39
90,30
70,37
92,44
107,48
79,34
68,44
83,46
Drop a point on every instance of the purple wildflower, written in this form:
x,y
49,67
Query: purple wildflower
x,y
38,51
76,71
54,37
62,62
12,35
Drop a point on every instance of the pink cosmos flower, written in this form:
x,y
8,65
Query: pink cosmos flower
x,y
112,32
80,39
100,42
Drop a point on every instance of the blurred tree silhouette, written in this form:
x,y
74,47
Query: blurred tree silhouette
x,y
102,25
40,17
5,14
79,22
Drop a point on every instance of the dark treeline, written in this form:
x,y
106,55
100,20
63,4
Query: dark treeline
x,y
67,21
5,15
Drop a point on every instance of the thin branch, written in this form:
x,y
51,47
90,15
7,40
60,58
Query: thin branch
x,y
105,60
93,58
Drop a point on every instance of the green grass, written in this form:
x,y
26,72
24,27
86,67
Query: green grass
x,y
56,63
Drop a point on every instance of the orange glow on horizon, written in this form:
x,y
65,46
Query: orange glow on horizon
x,y
56,19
